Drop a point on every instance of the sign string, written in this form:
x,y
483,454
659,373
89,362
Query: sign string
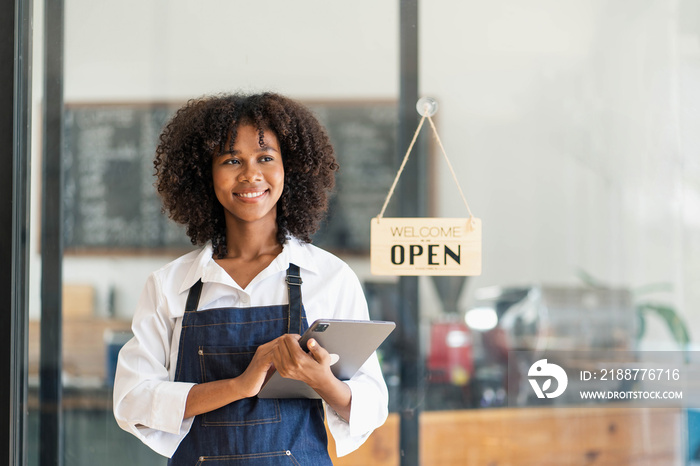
x,y
405,159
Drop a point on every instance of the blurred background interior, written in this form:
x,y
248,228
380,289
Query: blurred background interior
x,y
572,126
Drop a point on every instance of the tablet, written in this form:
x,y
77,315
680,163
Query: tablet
x,y
349,342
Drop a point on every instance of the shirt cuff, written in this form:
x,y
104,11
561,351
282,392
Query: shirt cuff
x,y
168,410
164,443
340,429
364,412
365,416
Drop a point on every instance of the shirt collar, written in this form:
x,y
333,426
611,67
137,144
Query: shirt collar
x,y
296,252
197,268
206,269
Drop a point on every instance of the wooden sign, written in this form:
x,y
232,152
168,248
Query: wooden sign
x,y
425,246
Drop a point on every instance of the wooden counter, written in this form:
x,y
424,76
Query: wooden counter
x,y
591,436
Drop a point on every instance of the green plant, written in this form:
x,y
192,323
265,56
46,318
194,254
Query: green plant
x,y
645,307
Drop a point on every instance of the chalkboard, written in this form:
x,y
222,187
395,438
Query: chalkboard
x,y
110,202
365,142
109,198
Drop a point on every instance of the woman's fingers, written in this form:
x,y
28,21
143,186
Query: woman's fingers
x,y
288,357
290,348
318,352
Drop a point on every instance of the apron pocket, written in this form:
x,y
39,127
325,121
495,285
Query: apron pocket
x,y
254,459
226,362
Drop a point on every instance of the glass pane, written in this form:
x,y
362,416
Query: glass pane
x,y
128,67
568,124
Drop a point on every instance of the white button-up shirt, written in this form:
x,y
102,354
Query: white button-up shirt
x,y
151,405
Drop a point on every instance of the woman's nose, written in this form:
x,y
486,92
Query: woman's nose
x,y
250,173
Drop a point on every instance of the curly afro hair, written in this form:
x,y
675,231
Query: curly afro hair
x,y
201,129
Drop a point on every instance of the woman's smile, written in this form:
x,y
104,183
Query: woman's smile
x,y
251,195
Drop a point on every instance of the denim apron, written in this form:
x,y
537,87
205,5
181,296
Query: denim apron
x,y
219,344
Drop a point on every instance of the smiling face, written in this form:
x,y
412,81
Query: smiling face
x,y
249,177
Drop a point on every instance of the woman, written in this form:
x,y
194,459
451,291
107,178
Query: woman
x,y
249,176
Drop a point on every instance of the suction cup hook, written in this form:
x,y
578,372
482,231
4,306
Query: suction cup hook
x,y
427,106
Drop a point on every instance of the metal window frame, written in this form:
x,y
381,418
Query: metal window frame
x,y
51,432
15,146
412,192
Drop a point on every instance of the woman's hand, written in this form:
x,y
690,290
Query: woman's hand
x,y
312,368
292,362
285,355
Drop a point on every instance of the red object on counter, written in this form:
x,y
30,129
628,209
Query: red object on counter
x,y
450,359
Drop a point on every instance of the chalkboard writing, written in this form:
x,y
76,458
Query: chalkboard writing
x,y
109,197
110,202
364,138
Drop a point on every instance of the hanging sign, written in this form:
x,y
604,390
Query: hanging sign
x,y
425,246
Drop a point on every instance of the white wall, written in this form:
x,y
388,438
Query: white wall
x,y
178,49
571,124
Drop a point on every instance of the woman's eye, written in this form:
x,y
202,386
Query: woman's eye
x,y
231,161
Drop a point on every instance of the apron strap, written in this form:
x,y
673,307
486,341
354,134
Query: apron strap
x,y
295,306
193,297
